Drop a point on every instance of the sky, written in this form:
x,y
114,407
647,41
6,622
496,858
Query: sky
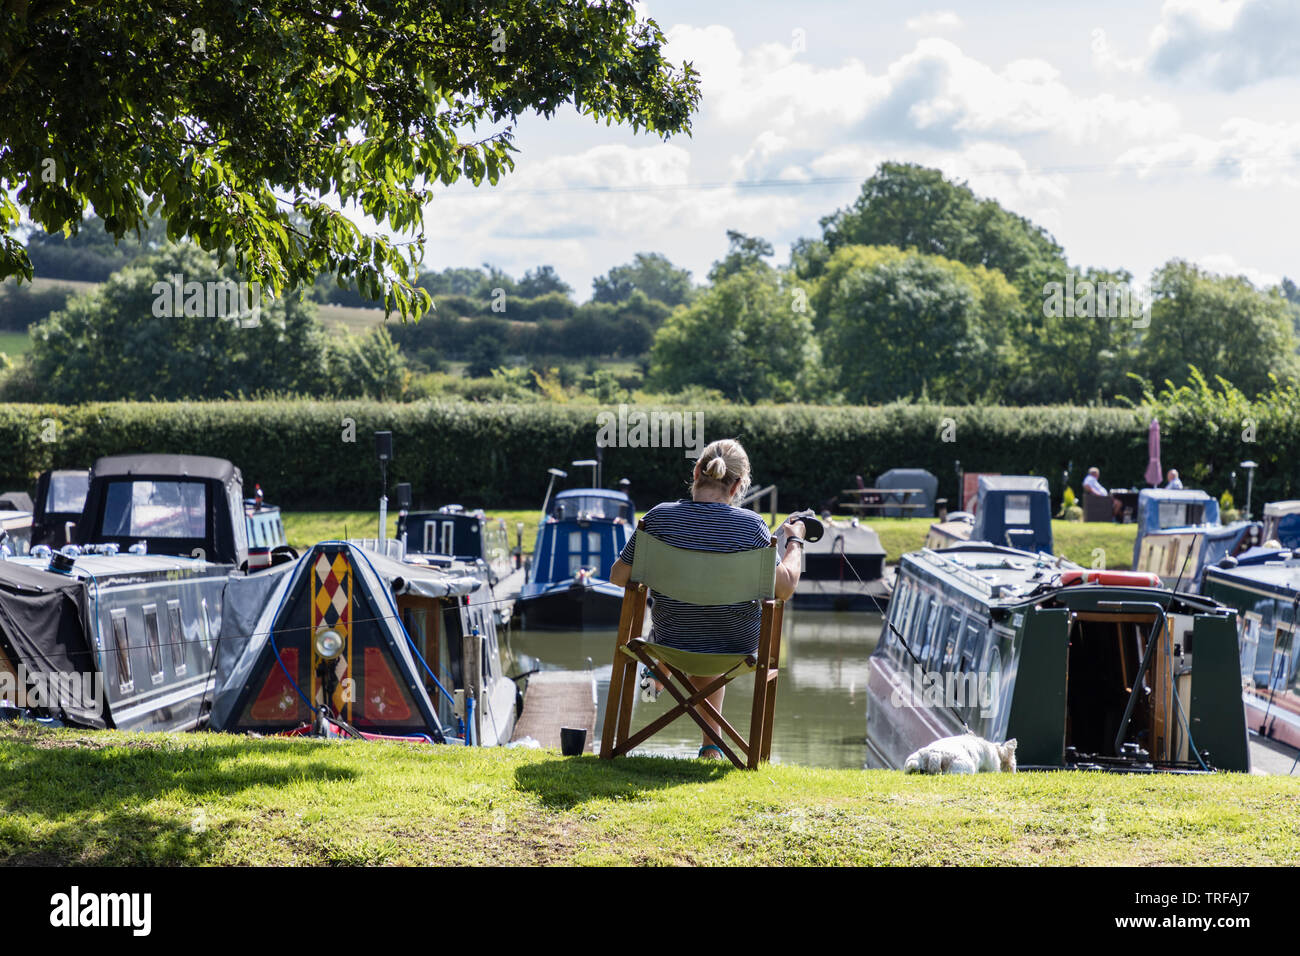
x,y
1134,132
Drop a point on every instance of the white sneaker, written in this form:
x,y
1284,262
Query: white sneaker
x,y
649,692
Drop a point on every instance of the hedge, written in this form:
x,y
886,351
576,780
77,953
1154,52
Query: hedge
x,y
497,455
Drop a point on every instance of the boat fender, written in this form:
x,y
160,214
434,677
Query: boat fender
x,y
1142,579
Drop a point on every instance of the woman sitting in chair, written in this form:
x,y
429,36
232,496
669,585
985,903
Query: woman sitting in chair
x,y
710,522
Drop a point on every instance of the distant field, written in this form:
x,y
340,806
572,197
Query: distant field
x,y
305,528
15,343
350,319
1075,540
40,285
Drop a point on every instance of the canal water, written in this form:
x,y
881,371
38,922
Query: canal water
x,y
821,702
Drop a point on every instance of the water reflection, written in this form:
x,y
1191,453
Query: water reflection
x,y
820,700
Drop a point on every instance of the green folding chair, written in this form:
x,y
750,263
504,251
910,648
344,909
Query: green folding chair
x,y
703,578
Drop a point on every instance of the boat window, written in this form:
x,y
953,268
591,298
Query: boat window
x,y
67,493
155,509
153,642
1280,672
951,638
590,506
971,646
122,650
1016,511
901,595
925,630
206,626
176,636
1248,644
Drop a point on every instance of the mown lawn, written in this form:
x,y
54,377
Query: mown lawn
x,y
74,797
1074,539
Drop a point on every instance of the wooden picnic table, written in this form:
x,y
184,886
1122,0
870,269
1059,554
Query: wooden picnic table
x,y
877,499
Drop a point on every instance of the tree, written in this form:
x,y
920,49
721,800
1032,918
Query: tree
x,y
367,366
542,281
127,339
90,254
648,273
744,252
914,207
485,354
908,325
227,117
1222,325
746,336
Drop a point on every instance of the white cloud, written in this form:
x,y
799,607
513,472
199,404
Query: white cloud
x,y
935,94
1248,153
1226,264
1227,43
933,22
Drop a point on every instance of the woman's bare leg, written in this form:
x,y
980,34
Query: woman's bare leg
x,y
716,700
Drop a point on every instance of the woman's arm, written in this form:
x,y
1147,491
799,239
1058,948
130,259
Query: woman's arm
x,y
791,566
620,573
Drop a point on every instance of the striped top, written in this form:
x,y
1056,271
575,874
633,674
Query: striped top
x,y
704,526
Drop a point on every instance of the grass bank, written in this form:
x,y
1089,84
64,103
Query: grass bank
x,y
73,797
1074,539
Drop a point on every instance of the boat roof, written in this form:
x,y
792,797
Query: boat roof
x,y
1276,573
592,493
1193,495
1013,483
104,565
992,572
1282,507
188,466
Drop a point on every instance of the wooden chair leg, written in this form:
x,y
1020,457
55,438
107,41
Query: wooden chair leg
x,y
769,721
688,704
622,677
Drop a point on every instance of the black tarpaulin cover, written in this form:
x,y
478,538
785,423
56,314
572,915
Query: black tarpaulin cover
x,y
44,624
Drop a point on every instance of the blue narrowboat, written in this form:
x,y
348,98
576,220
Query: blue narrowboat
x,y
1264,587
1179,534
1013,511
579,540
470,540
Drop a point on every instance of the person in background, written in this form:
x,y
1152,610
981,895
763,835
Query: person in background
x,y
1092,482
1172,480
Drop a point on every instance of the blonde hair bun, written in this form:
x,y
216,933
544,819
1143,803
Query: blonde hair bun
x,y
724,463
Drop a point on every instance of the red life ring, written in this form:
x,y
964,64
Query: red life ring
x,y
1139,579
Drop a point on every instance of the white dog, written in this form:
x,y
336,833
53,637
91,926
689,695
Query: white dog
x,y
964,753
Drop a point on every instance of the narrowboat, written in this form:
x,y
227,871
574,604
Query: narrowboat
x,y
15,532
1179,534
1281,524
844,570
1085,669
346,641
60,499
1014,511
470,539
580,538
1264,588
120,631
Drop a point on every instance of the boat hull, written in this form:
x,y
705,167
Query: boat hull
x,y
568,606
